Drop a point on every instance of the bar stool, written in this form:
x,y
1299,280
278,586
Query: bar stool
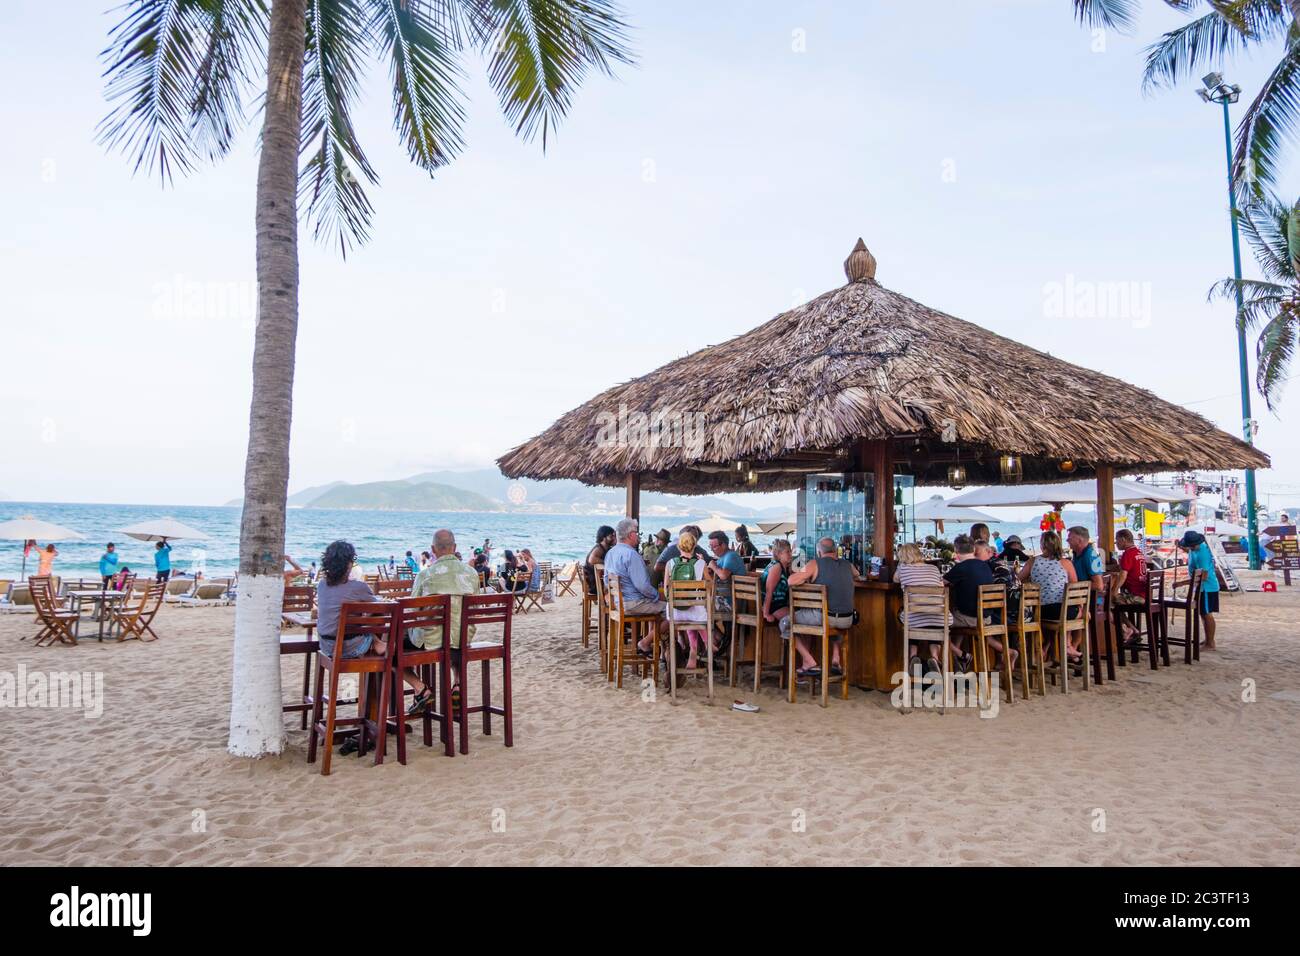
x,y
928,601
423,613
991,602
298,609
619,620
355,619
475,611
812,597
590,602
1190,642
682,596
1077,598
602,621
1155,621
1029,629
1104,632
745,613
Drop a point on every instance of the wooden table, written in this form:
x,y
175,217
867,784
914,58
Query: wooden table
x,y
876,641
102,599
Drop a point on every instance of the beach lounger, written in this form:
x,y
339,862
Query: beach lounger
x,y
205,595
6,585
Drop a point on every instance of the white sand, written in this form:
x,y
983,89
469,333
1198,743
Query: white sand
x,y
1183,769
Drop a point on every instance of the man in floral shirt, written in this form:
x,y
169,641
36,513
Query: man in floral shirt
x,y
444,575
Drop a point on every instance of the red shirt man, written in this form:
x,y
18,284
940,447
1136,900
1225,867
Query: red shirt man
x,y
1132,565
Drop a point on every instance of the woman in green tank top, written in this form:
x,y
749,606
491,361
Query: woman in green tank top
x,y
775,583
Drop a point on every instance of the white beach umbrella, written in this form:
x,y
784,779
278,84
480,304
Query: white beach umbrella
x,y
1082,492
1227,529
936,508
28,528
156,529
714,522
775,528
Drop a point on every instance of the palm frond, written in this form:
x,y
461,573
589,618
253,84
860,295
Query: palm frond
x,y
330,193
542,49
1267,225
1260,300
1118,15
156,57
1275,351
1271,120
426,92
236,42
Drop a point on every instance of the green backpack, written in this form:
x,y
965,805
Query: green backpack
x,y
684,568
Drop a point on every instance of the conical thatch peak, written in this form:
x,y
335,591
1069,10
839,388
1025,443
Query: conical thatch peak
x,y
862,362
861,264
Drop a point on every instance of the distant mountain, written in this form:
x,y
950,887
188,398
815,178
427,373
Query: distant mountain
x,y
404,496
491,491
298,499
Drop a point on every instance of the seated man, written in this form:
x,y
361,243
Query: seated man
x,y
724,563
604,541
445,575
639,595
1131,582
838,574
964,579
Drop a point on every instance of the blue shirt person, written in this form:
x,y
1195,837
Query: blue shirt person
x,y
162,557
108,563
411,563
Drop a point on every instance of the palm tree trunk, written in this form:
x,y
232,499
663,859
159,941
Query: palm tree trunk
x,y
256,724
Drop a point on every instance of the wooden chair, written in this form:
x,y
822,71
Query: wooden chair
x,y
374,579
57,625
1105,632
298,609
812,597
382,573
528,597
1077,601
1190,642
433,666
1153,621
745,613
564,586
404,573
993,604
356,618
392,589
133,620
683,595
1028,628
602,621
623,632
590,602
930,601
475,611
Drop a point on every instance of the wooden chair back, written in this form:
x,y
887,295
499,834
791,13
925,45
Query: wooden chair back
x,y
745,602
404,573
373,579
423,613
808,597
992,603
358,618
298,599
393,588
928,600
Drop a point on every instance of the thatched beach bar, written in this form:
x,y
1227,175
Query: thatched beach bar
x,y
860,385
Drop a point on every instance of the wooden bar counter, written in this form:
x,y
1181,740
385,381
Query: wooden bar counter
x,y
876,641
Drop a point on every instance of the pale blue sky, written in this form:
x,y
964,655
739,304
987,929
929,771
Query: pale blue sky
x,y
983,150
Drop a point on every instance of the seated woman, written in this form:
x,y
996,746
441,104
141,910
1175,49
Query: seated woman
x,y
687,567
334,589
510,576
774,583
532,570
914,572
1052,572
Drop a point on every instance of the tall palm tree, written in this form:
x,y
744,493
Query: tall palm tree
x,y
1226,28
1273,230
1111,14
179,76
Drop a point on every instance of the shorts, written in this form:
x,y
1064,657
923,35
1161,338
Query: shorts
x,y
353,647
806,615
407,645
1209,602
164,575
722,605
643,607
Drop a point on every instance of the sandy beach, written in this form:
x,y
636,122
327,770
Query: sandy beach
x,y
1184,770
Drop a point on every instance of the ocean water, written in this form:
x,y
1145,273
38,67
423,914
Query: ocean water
x,y
376,535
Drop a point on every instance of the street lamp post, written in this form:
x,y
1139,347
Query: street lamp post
x,y
1217,91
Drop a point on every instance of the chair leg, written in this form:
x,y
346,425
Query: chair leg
x,y
381,712
315,716
708,649
306,685
448,720
487,700
945,672
329,724
826,667
844,666
507,700
759,632
463,680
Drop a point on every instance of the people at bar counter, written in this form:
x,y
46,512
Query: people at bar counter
x,y
838,575
1052,572
914,571
639,595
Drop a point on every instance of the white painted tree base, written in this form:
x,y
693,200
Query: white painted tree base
x,y
256,719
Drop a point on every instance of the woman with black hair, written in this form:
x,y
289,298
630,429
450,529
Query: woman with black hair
x,y
334,590
744,547
509,573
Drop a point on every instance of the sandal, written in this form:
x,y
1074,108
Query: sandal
x,y
350,746
813,671
421,703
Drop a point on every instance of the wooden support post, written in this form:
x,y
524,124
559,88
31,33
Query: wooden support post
x,y
1105,511
633,508
880,461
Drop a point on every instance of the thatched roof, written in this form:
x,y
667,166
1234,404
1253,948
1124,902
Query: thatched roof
x,y
799,392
